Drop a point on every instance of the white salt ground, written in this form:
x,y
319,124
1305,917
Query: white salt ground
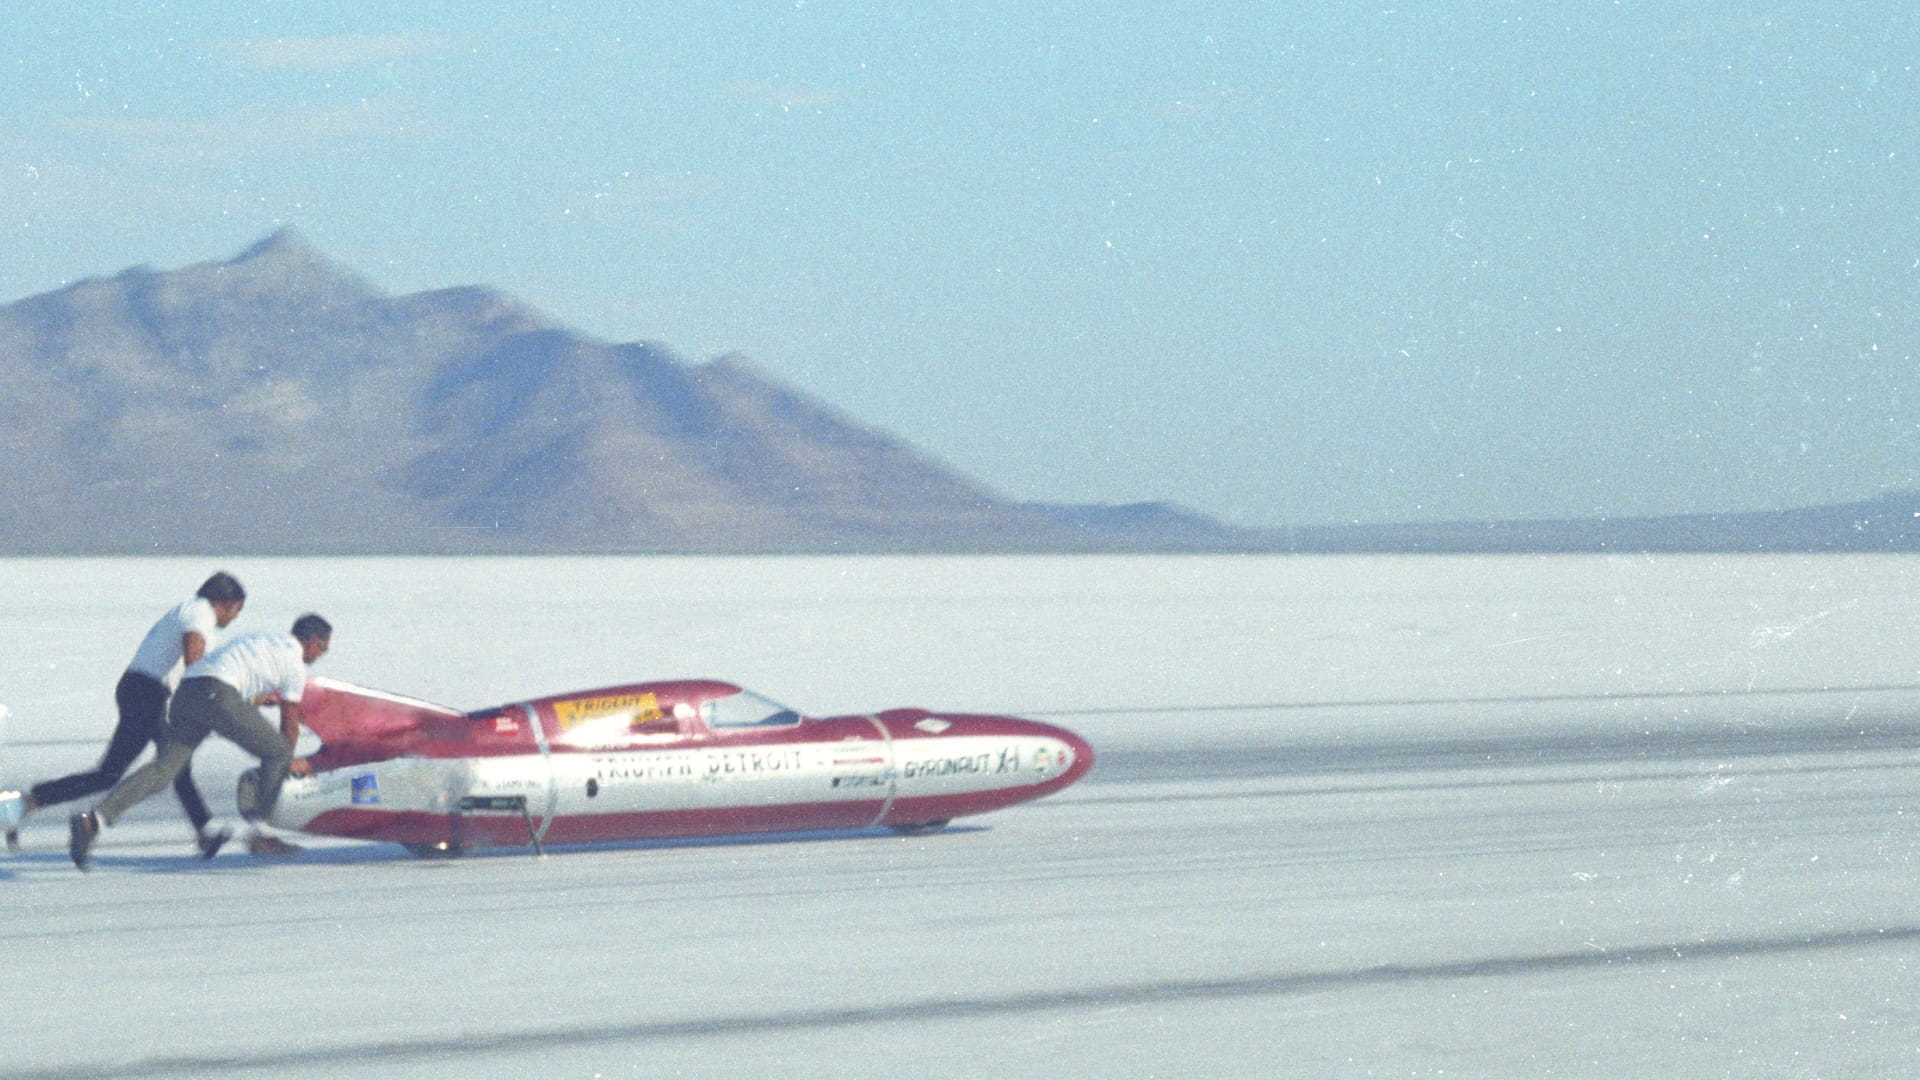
x,y
1491,817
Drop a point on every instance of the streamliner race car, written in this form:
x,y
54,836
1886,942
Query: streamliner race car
x,y
685,758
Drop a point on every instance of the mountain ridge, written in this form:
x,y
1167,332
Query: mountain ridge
x,y
279,403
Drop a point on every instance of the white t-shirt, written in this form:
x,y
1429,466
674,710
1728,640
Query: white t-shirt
x,y
159,653
256,663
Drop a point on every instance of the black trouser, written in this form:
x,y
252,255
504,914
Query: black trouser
x,y
143,713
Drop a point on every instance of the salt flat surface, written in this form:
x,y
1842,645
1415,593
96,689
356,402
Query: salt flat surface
x,y
1509,816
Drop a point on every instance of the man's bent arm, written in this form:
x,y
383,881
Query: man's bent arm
x,y
290,727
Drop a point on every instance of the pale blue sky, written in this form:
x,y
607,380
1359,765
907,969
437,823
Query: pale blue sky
x,y
1381,262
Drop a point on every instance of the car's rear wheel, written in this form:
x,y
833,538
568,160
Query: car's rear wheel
x,y
919,828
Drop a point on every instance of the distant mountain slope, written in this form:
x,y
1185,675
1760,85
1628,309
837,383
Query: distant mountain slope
x,y
1890,523
276,402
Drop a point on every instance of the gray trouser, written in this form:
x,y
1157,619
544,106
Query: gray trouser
x,y
200,706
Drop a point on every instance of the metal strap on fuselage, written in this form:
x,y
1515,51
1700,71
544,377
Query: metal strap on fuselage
x,y
893,774
546,759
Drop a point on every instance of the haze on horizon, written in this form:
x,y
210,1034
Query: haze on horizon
x,y
1412,262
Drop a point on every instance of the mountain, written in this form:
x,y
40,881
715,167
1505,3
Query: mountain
x,y
277,403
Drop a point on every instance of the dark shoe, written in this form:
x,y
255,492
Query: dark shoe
x,y
271,847
81,829
211,842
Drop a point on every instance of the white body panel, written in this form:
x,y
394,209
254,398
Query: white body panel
x,y
683,779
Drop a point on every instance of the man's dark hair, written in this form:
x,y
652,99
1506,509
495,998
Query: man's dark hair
x,y
222,588
312,628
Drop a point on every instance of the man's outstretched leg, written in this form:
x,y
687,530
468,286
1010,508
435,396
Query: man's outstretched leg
x,y
143,783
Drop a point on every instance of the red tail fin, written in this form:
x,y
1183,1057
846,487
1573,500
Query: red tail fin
x,y
341,713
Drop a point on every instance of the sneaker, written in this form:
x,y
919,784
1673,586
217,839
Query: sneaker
x,y
81,830
13,809
271,846
212,840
